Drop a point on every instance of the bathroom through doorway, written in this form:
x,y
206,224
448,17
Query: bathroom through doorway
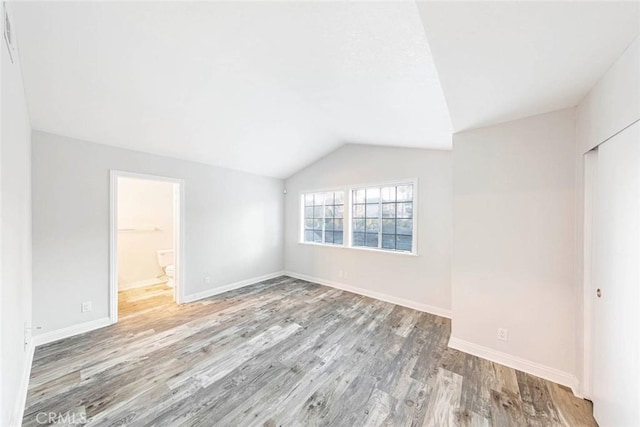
x,y
146,232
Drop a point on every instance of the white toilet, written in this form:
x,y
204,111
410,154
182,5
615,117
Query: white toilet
x,y
165,259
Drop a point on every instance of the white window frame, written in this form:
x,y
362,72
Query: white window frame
x,y
414,217
345,210
347,226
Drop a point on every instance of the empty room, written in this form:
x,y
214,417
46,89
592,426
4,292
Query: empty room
x,y
320,213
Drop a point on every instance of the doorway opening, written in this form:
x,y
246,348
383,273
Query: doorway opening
x,y
146,273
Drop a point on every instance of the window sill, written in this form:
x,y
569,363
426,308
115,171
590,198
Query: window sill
x,y
361,248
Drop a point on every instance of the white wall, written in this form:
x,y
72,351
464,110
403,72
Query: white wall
x,y
145,224
15,154
233,225
423,280
612,105
513,243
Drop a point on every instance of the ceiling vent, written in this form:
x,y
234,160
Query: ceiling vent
x,y
8,32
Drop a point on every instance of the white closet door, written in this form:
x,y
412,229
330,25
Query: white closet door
x,y
615,350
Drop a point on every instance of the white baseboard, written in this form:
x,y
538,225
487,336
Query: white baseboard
x,y
438,311
230,287
524,365
70,331
141,284
21,396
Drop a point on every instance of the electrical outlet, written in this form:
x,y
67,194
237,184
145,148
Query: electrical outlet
x,y
503,334
207,280
340,273
86,306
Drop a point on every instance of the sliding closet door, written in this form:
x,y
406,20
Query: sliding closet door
x,y
616,282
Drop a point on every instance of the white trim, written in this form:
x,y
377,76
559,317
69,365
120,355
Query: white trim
x,y
141,284
438,311
524,365
359,248
590,173
70,331
231,286
113,248
21,397
347,241
178,233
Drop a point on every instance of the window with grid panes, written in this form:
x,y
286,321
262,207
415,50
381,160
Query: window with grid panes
x,y
382,217
323,216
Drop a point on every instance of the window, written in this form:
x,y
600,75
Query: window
x,y
323,216
382,217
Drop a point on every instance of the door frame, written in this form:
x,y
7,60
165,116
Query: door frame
x,y
590,174
178,235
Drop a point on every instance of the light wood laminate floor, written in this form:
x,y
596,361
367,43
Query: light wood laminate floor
x,y
284,352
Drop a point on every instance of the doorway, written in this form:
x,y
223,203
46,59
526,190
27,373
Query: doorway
x,y
146,233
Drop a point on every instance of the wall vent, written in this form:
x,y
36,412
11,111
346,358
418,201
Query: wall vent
x,y
8,32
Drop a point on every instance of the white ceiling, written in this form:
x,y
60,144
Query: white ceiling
x,y
261,87
500,61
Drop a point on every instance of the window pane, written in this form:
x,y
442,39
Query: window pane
x,y
358,211
318,199
388,194
328,199
308,223
337,224
403,243
317,212
328,211
371,240
337,237
317,236
405,210
405,193
405,226
358,239
339,211
373,195
358,196
388,210
308,199
308,236
388,241
328,237
308,212
373,225
373,210
358,225
317,223
328,224
339,197
389,226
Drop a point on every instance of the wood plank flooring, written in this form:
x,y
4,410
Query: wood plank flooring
x,y
283,352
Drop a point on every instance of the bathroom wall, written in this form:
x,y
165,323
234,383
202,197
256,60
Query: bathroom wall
x,y
145,225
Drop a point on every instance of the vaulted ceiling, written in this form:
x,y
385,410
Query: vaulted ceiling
x,y
269,87
265,87
505,60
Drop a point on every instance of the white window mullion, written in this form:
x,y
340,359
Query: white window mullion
x,y
324,196
380,218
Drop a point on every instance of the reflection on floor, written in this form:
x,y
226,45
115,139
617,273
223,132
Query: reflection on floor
x,y
142,300
284,352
